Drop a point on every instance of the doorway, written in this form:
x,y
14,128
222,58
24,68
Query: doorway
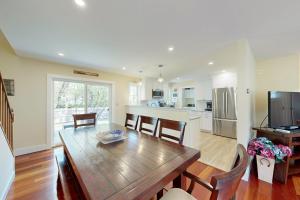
x,y
78,97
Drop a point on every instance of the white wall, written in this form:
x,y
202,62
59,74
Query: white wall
x,y
239,63
237,58
224,79
7,166
246,98
245,94
30,100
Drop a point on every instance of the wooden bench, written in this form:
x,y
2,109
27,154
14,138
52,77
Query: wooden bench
x,y
67,185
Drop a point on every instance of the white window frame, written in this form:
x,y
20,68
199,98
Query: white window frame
x,y
50,115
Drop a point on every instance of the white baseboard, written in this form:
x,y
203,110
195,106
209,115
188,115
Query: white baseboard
x,y
6,190
32,149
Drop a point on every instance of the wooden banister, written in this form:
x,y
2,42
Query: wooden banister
x,y
6,115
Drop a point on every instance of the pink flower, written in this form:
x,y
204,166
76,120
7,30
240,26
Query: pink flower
x,y
268,153
251,152
258,144
285,149
264,147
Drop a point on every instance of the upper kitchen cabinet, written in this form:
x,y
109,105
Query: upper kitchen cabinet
x,y
188,97
188,93
150,84
146,89
203,90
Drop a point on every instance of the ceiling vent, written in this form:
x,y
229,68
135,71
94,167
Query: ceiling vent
x,y
85,73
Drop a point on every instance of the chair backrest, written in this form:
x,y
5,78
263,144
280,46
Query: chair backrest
x,y
173,125
150,121
225,184
85,119
133,118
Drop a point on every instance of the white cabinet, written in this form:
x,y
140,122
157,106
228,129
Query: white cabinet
x,y
188,97
189,93
149,84
156,85
206,122
203,90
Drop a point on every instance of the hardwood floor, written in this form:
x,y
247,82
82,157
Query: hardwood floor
x,y
36,176
205,142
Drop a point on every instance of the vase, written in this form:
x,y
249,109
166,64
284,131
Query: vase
x,y
265,168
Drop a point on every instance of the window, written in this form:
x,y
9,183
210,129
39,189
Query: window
x,y
76,97
134,94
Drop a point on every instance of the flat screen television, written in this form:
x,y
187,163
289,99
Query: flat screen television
x,y
284,110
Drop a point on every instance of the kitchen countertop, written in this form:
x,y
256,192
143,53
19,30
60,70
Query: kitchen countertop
x,y
170,108
191,117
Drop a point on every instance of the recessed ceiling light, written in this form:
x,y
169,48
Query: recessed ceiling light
x,y
211,63
80,3
61,54
171,48
223,71
124,68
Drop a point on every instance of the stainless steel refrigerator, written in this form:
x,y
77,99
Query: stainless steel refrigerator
x,y
224,112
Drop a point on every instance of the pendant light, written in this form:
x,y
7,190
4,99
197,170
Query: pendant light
x,y
140,83
160,78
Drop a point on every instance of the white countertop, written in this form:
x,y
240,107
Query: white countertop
x,y
190,110
170,108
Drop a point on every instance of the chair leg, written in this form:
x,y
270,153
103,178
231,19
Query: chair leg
x,y
234,197
179,182
160,194
59,191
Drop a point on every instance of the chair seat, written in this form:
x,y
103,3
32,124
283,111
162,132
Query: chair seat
x,y
177,194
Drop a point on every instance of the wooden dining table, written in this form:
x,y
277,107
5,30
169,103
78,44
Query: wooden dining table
x,y
135,168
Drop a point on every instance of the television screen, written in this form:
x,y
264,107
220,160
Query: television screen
x,y
283,109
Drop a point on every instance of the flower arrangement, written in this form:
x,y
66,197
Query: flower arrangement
x,y
264,147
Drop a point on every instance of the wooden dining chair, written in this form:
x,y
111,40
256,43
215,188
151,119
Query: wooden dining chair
x,y
133,118
172,125
84,119
145,120
222,186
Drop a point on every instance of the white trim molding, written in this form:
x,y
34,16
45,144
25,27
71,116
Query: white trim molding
x,y
32,149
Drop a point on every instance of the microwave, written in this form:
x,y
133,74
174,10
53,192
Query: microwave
x,y
157,93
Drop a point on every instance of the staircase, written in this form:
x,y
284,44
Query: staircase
x,y
6,115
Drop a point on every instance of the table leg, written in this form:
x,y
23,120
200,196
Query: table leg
x,y
179,182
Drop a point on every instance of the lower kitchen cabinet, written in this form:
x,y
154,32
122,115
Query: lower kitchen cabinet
x,y
206,122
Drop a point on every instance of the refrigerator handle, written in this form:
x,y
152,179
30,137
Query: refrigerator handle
x,y
226,105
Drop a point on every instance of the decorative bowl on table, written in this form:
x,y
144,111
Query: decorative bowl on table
x,y
117,133
107,137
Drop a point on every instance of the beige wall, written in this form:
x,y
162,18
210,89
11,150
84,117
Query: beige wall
x,y
30,103
280,74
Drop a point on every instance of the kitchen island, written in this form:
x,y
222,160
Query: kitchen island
x,y
191,117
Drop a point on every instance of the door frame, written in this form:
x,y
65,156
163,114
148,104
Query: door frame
x,y
51,78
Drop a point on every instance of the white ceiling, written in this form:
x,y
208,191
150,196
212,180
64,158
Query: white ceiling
x,y
136,33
